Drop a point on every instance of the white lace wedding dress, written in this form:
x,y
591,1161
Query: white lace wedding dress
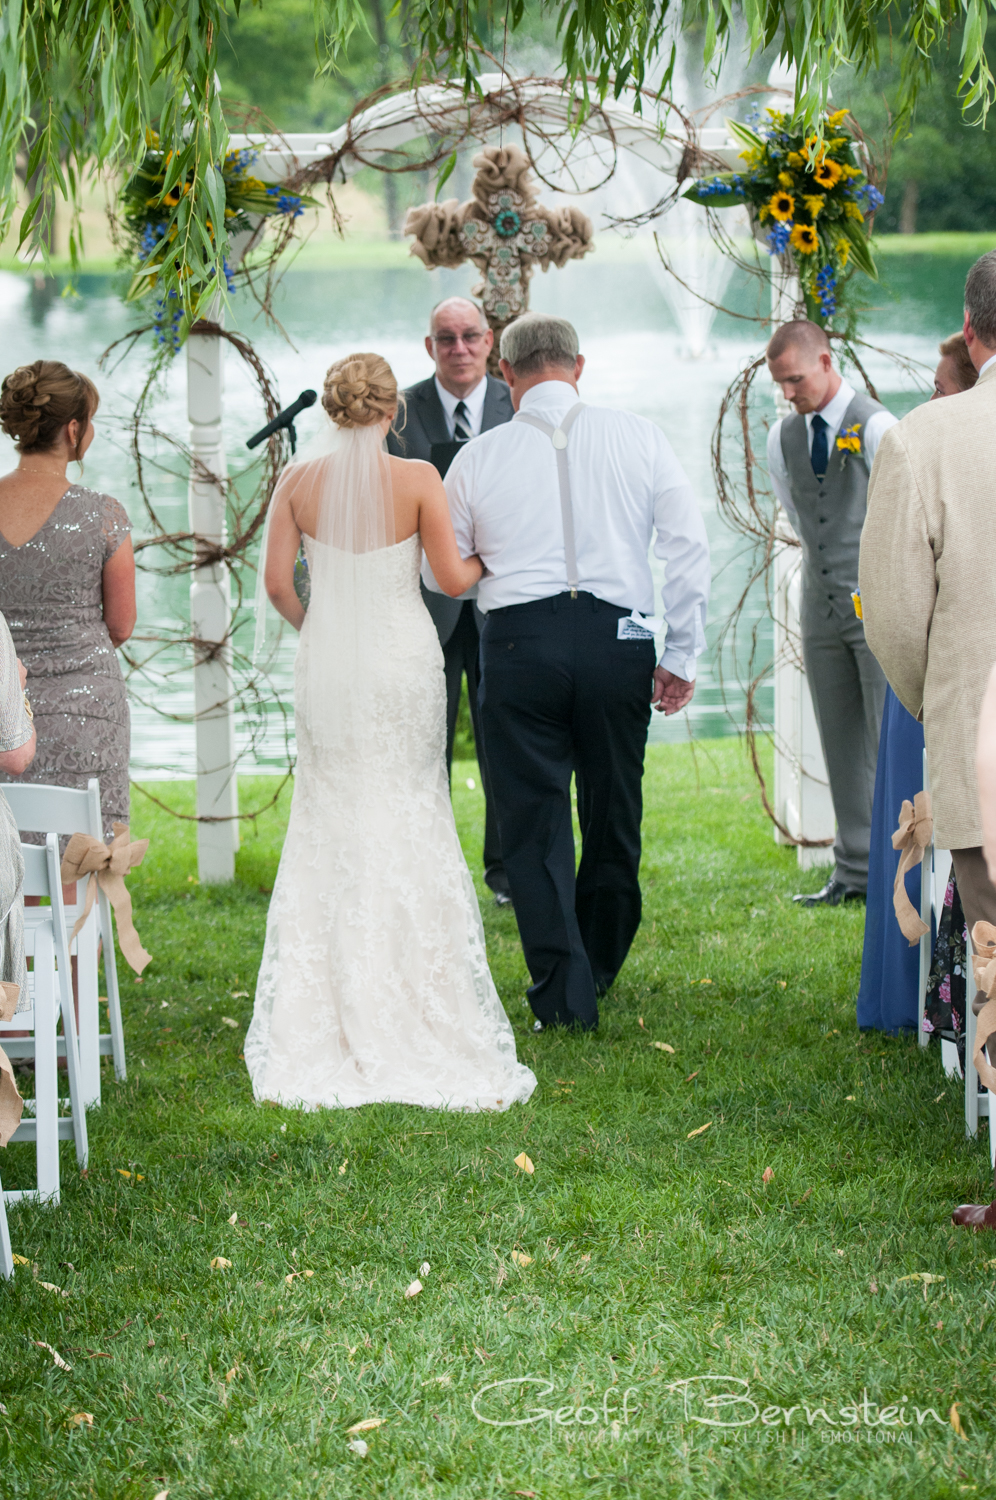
x,y
374,983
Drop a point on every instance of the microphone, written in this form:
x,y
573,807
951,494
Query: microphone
x,y
283,419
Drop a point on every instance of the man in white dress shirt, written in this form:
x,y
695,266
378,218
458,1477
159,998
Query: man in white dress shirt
x,y
821,479
561,505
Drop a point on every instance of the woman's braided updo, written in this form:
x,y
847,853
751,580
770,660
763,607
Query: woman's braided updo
x,y
360,390
38,400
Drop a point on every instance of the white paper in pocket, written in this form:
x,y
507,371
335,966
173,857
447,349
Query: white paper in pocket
x,y
637,627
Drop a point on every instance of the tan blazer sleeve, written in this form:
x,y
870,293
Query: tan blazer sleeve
x,y
896,572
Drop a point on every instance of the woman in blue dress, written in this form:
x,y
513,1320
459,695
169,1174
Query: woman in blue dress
x,y
890,968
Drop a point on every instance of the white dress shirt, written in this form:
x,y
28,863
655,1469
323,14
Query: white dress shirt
x,y
474,404
833,415
988,364
626,483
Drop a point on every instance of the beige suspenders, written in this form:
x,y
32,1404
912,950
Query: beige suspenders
x,y
558,436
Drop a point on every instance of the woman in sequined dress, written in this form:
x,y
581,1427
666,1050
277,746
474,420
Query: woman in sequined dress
x,y
67,585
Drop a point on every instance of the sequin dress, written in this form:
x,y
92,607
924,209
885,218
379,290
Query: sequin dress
x,y
51,594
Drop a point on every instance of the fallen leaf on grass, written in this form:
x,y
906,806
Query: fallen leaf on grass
x,y
927,1277
219,1263
366,1426
85,1419
161,1495
239,995
19,1260
234,1219
413,1288
940,1097
767,1175
227,1021
782,984
520,1259
57,1359
524,1164
526,1494
955,1421
358,1446
231,1374
342,1169
699,1131
424,1268
122,1173
51,1287
703,981
295,1274
438,1380
849,1098
693,1075
639,1022
873,1288
664,1047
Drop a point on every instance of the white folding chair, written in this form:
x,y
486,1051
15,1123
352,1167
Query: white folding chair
x,y
6,1254
66,810
51,991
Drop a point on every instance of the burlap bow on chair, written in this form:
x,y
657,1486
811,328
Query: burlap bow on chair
x,y
915,831
86,855
11,1103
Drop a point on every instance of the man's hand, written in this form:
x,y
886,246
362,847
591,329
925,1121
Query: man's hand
x,y
671,693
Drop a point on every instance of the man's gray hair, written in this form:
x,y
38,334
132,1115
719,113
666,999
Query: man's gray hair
x,y
467,302
535,341
980,298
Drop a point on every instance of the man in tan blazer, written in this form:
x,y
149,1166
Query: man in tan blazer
x,y
928,586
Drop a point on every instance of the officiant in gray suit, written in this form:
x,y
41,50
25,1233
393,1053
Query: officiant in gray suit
x,y
456,404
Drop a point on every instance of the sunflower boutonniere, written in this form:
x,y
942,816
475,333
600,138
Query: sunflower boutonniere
x,y
849,441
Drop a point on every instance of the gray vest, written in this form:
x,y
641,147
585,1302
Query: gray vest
x,y
831,512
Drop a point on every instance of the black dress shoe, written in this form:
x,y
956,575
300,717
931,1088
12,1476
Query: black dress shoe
x,y
503,899
832,894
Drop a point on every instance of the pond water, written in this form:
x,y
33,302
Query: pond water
x,y
635,359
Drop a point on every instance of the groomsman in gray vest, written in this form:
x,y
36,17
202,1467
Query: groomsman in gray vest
x,y
819,460
456,404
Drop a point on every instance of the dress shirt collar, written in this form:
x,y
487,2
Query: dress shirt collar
x,y
474,402
553,398
833,412
988,365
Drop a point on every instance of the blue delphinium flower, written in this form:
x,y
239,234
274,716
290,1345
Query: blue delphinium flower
x,y
826,287
151,235
167,322
778,237
873,198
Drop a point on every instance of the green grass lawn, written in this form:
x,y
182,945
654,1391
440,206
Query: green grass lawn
x,y
645,1250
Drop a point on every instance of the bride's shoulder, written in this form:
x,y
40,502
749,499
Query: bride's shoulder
x,y
412,472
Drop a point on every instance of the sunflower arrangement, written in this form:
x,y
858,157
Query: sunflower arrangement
x,y
805,190
149,212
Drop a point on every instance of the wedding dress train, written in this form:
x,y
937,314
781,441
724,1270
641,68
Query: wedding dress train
x,y
374,983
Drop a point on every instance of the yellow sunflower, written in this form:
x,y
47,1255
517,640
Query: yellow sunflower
x,y
815,203
804,239
827,174
781,205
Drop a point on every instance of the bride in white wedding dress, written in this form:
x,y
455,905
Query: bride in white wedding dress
x,y
374,984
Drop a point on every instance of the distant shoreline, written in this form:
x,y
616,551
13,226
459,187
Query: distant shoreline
x,y
325,251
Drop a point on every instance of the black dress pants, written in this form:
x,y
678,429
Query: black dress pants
x,y
560,694
462,655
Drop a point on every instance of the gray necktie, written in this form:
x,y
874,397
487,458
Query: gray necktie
x,y
461,423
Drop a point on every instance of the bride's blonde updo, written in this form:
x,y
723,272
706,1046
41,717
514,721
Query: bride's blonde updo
x,y
360,390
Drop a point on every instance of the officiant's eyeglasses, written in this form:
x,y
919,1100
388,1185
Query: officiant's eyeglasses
x,y
450,340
